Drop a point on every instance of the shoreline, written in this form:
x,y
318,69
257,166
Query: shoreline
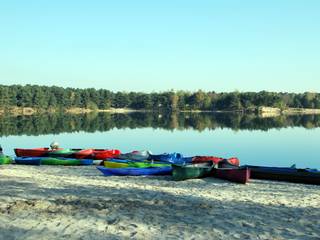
x,y
52,202
261,111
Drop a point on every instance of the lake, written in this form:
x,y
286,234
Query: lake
x,y
271,141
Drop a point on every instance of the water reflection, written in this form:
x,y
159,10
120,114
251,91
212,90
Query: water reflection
x,y
67,123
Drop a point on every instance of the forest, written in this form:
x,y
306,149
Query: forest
x,y
53,97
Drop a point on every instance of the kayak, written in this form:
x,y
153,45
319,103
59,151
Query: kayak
x,y
173,158
28,160
198,170
198,159
110,164
101,154
52,161
228,163
5,159
65,161
98,154
63,153
135,171
239,175
289,174
117,163
32,152
135,155
85,153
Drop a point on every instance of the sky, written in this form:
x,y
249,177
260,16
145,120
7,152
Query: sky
x,y
125,45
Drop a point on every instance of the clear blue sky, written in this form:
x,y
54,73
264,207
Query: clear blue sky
x,y
222,45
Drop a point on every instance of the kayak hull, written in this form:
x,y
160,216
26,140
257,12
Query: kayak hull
x,y
240,175
63,153
101,154
285,174
65,161
184,172
117,163
28,160
5,160
135,171
216,160
32,152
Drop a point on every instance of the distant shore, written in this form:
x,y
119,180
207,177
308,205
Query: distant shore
x,y
262,111
30,111
274,112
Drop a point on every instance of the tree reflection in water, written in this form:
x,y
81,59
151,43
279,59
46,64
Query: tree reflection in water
x,y
91,122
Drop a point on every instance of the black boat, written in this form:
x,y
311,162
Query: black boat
x,y
289,174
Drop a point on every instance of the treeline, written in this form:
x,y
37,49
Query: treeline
x,y
67,123
44,97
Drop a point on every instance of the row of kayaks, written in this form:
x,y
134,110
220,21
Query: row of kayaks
x,y
102,154
224,169
136,163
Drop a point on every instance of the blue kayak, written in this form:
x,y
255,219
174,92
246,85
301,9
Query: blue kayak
x,y
135,171
173,158
28,160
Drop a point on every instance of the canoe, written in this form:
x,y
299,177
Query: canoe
x,y
135,171
198,159
173,158
117,163
135,155
65,161
238,175
28,160
297,175
32,152
5,159
198,170
101,154
63,153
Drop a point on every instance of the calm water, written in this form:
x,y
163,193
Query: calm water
x,y
280,141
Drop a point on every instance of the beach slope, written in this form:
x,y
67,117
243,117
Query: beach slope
x,y
53,202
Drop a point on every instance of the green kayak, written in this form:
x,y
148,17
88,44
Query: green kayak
x,y
65,161
62,153
5,160
129,164
183,172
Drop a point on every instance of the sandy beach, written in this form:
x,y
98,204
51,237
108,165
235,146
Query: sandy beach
x,y
50,202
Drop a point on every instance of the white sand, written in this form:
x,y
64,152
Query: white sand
x,y
49,202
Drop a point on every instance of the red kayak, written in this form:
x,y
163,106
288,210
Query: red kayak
x,y
101,154
84,154
98,154
31,152
199,159
239,175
